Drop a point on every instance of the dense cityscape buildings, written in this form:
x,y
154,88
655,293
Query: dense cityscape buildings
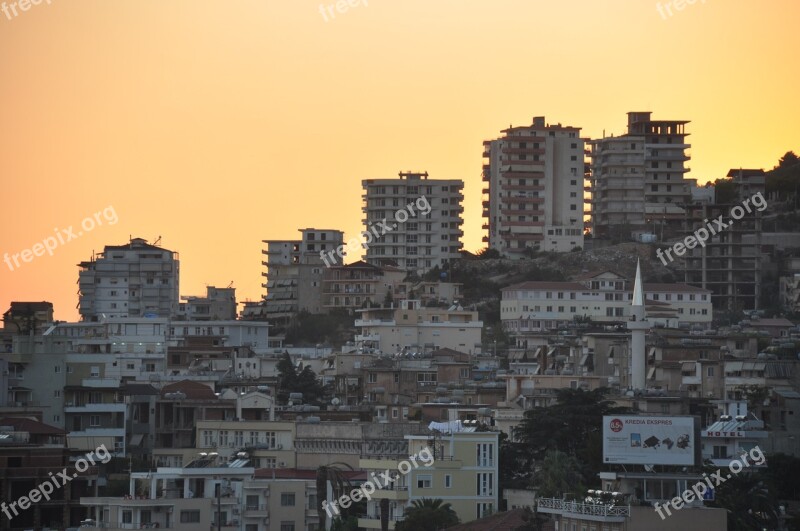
x,y
366,355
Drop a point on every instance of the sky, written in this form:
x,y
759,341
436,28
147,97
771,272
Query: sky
x,y
215,125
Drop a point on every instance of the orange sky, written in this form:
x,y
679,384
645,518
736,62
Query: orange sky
x,y
216,125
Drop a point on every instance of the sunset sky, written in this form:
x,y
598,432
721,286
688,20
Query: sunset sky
x,y
216,125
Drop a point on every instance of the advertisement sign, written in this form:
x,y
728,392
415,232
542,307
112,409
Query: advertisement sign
x,y
650,440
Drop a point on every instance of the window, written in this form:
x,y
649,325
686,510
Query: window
x,y
287,526
127,517
94,371
710,371
287,499
486,509
372,378
94,420
251,502
484,484
190,517
485,457
424,481
57,368
57,393
448,481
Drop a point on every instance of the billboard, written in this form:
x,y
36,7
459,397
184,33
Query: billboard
x,y
651,440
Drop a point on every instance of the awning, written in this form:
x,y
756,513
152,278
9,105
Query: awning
x,y
652,354
688,366
611,352
136,440
733,366
651,374
583,359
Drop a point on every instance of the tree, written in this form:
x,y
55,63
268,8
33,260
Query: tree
x,y
489,254
292,381
558,474
335,474
749,503
427,514
573,426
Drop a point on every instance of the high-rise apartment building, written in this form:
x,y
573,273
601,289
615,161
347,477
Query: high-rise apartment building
x,y
729,262
132,280
415,222
535,187
638,180
294,271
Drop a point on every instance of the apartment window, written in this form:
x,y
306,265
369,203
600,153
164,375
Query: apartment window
x,y
372,378
57,393
484,484
710,371
251,502
190,517
127,517
94,421
57,368
287,526
448,481
208,439
424,481
485,455
287,499
486,509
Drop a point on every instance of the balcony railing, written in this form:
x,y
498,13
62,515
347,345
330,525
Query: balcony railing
x,y
551,505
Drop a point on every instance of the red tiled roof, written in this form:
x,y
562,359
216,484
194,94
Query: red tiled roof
x,y
297,473
31,426
660,287
534,285
505,521
192,390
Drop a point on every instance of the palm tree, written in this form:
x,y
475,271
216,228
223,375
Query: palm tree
x,y
427,514
749,503
334,474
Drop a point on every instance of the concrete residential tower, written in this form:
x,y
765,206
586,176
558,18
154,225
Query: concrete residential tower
x,y
535,185
418,241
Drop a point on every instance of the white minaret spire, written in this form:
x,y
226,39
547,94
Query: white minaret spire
x,y
638,325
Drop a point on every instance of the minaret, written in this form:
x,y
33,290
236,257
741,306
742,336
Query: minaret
x,y
638,326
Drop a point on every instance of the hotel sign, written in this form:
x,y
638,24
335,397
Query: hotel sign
x,y
705,433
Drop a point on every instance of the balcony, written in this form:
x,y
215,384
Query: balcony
x,y
373,521
96,408
590,511
255,511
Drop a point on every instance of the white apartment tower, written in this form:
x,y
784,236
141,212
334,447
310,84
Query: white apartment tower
x,y
535,179
132,280
638,179
423,219
294,271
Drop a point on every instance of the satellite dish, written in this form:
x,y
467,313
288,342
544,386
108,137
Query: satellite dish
x,y
335,401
